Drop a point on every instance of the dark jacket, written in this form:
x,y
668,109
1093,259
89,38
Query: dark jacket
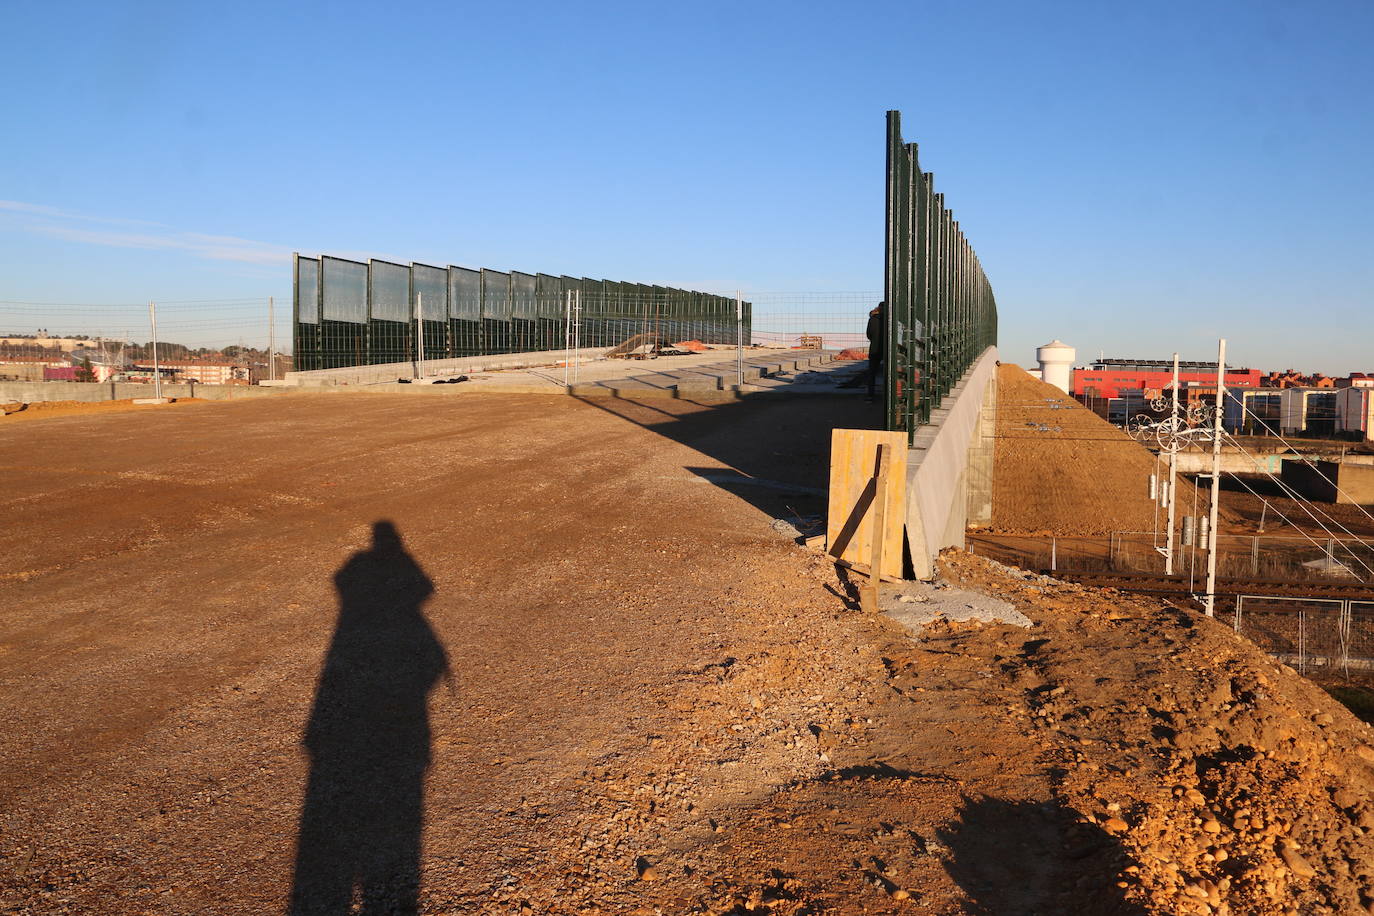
x,y
877,335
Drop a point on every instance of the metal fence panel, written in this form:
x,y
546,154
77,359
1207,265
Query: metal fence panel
x,y
429,289
388,327
524,336
941,313
305,335
343,313
350,313
465,311
496,311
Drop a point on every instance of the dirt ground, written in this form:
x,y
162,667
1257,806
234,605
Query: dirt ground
x,y
380,654
1060,469
18,412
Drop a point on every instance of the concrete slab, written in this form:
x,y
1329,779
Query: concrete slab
x,y
916,605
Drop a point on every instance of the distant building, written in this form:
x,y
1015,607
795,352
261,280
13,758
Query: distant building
x,y
1107,378
1290,379
27,361
1252,412
65,344
204,371
1308,411
1355,412
1356,380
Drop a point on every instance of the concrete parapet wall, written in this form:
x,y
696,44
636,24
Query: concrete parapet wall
x,y
390,372
949,467
34,392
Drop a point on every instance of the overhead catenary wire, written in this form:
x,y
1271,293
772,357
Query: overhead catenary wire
x,y
1303,503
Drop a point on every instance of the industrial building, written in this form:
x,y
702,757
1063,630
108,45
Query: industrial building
x,y
1355,411
1106,378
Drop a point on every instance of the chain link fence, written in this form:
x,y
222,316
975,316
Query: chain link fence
x,y
1238,556
1309,633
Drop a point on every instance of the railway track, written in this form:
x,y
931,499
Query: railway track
x,y
1179,585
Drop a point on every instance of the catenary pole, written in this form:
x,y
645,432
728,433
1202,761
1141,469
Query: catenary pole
x,y
157,370
1173,476
567,338
1216,482
419,335
271,339
739,335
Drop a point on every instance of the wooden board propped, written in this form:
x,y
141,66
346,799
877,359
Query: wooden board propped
x,y
853,485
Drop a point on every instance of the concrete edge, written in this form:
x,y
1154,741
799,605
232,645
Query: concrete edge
x,y
937,481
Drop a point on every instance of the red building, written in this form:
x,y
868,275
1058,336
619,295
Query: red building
x,y
1107,378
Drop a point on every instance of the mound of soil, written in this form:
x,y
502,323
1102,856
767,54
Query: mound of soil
x,y
40,409
1061,469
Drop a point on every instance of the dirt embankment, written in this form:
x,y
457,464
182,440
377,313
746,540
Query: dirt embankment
x,y
15,411
1061,469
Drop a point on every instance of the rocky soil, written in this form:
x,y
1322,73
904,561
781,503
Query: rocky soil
x,y
654,702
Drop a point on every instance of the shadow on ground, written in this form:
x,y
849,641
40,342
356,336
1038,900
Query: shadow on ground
x,y
358,848
1017,858
776,450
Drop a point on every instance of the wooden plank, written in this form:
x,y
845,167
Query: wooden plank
x,y
853,486
881,478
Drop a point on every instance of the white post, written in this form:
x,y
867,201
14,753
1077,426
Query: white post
x,y
271,340
567,338
1216,482
157,370
739,335
577,335
1169,484
420,335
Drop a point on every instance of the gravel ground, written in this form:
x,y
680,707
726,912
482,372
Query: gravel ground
x,y
380,654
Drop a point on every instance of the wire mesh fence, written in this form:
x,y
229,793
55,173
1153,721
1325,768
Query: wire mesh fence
x,y
1309,633
105,341
1238,556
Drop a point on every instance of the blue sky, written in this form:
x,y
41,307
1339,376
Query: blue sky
x,y
1136,178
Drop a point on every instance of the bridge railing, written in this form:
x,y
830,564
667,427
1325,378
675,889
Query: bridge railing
x,y
941,313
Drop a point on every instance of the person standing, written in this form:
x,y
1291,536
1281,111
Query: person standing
x,y
877,344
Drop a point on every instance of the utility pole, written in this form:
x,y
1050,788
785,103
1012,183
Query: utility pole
x,y
1173,476
420,335
157,371
739,335
271,340
577,335
1216,481
567,338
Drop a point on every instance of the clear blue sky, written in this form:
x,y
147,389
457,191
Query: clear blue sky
x,y
1137,178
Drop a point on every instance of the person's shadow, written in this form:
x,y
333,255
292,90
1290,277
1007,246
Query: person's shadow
x,y
358,849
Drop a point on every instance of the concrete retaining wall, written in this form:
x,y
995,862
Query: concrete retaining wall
x,y
949,467
389,372
33,392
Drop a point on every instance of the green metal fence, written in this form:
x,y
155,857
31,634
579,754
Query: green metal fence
x,y
941,313
351,313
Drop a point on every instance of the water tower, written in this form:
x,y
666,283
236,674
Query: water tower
x,y
1056,364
